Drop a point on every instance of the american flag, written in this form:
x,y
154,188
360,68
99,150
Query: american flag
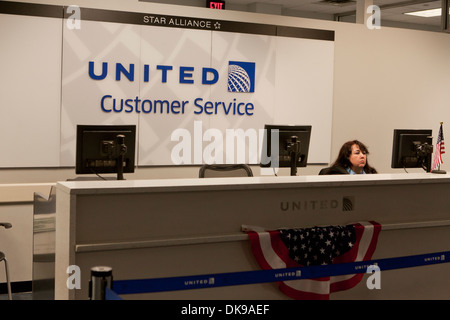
x,y
440,149
292,248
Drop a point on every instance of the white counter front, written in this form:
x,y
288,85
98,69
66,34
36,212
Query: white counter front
x,y
149,228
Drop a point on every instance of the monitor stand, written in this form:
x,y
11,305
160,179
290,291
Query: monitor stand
x,y
293,148
92,178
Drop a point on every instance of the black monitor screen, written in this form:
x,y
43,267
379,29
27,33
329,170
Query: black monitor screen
x,y
281,141
412,148
99,149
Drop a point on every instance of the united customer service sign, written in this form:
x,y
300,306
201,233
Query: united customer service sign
x,y
241,78
180,78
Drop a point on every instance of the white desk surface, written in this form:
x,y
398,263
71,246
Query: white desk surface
x,y
264,182
22,192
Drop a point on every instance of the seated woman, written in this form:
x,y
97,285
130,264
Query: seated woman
x,y
352,159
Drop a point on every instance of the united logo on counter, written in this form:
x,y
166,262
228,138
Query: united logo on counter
x,y
347,204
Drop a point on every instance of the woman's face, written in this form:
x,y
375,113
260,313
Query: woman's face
x,y
357,158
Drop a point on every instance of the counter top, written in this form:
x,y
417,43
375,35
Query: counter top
x,y
22,192
210,184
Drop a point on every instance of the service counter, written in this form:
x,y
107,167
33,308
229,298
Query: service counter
x,y
164,228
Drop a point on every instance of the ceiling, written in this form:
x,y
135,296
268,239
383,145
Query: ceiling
x,y
392,11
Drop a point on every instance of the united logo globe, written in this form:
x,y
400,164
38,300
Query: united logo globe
x,y
238,79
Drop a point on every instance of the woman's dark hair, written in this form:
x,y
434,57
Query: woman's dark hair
x,y
345,152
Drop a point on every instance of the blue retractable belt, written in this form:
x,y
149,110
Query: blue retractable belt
x,y
263,276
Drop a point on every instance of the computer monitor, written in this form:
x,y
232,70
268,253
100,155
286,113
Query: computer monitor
x,y
412,148
104,149
286,146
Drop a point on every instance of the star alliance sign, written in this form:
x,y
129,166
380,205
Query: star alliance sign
x,y
179,22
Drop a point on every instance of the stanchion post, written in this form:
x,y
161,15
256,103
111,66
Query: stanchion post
x,y
101,277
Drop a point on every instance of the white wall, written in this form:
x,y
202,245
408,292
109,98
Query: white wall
x,y
30,90
386,79
383,79
293,85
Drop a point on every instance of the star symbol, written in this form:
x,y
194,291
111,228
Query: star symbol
x,y
217,25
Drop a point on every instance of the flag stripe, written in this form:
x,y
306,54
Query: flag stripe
x,y
270,255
